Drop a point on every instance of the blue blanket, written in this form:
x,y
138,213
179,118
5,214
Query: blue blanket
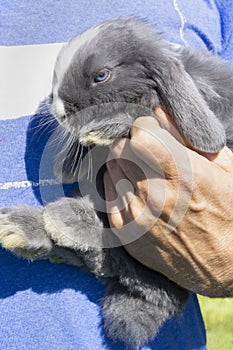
x,y
49,306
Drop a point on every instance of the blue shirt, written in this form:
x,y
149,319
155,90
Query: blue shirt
x,y
49,306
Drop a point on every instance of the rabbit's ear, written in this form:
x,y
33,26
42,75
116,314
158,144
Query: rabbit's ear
x,y
180,96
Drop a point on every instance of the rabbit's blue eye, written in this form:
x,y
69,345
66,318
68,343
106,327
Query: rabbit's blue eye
x,y
102,76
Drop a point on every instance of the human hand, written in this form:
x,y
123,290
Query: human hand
x,y
174,214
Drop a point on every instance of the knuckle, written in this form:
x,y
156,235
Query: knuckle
x,y
115,219
138,134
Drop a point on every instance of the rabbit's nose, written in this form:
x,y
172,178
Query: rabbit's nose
x,y
62,118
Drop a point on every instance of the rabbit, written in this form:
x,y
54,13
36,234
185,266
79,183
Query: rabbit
x,y
104,79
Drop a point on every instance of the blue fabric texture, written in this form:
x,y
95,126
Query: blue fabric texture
x,y
48,306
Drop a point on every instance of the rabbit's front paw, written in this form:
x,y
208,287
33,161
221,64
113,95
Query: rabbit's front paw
x,y
22,232
73,223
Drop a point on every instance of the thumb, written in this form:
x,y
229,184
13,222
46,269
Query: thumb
x,y
169,124
157,147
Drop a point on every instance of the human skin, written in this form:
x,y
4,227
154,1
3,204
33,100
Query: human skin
x,y
178,202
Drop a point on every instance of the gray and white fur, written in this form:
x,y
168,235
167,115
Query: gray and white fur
x,y
103,80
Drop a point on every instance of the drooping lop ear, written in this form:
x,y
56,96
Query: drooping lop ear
x,y
180,96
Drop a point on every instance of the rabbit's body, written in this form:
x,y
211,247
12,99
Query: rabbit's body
x,y
103,80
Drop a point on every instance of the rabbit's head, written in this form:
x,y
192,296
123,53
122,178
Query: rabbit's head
x,y
109,75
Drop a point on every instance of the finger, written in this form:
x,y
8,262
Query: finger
x,y
156,195
157,147
222,159
124,189
134,168
110,191
123,222
114,214
129,202
126,224
169,124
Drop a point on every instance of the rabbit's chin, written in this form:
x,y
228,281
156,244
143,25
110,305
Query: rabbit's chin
x,y
101,124
104,136
100,133
92,139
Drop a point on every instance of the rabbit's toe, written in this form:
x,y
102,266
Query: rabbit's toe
x,y
22,232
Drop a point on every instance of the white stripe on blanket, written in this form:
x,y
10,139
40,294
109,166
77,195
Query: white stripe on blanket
x,y
26,76
26,183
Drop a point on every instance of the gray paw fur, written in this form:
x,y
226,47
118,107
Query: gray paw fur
x,y
138,300
66,231
73,223
69,231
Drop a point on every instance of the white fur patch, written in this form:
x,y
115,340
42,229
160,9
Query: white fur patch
x,y
63,62
67,53
11,237
58,108
91,138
